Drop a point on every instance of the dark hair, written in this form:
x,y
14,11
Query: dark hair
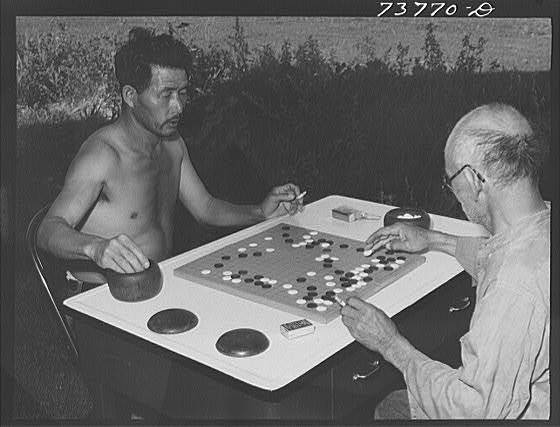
x,y
134,60
508,157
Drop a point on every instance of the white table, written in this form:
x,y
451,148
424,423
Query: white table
x,y
218,312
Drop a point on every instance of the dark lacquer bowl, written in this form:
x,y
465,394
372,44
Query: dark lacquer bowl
x,y
412,216
134,287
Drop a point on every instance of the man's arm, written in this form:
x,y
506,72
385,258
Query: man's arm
x,y
213,211
498,356
415,239
82,186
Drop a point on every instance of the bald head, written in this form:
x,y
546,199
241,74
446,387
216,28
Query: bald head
x,y
499,141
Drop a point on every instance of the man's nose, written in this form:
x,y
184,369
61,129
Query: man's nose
x,y
176,105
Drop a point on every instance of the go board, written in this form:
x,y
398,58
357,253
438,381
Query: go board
x,y
299,270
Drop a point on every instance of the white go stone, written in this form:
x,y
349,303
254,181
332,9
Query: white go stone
x,y
293,291
226,278
242,250
301,301
337,290
206,272
327,302
272,282
252,245
268,238
287,286
227,273
270,249
311,273
321,308
235,280
330,284
329,277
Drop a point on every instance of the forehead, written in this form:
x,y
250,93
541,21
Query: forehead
x,y
168,77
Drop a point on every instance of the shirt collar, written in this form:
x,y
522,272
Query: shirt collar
x,y
526,226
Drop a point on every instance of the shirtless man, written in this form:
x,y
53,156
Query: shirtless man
x,y
116,205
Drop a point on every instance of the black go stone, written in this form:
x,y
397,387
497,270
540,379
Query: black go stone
x,y
289,240
308,298
330,293
381,257
353,281
226,257
327,265
359,249
367,279
235,276
346,285
285,234
267,285
257,253
258,283
248,280
312,288
312,305
391,259
243,272
328,250
343,246
285,227
258,276
218,265
349,274
402,258
301,279
243,255
339,272
388,268
312,294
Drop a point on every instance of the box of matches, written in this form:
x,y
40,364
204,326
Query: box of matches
x,y
345,213
297,328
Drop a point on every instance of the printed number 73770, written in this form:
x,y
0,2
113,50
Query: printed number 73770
x,y
401,8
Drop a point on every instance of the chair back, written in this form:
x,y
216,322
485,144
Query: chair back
x,y
51,274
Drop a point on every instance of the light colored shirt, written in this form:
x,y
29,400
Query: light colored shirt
x,y
505,353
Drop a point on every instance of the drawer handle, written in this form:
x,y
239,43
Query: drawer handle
x,y
465,302
375,367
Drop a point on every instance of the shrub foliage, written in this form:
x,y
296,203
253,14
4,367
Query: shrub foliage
x,y
372,129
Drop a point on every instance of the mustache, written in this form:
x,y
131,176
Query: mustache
x,y
174,118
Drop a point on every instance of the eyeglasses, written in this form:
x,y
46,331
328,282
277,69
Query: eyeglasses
x,y
446,181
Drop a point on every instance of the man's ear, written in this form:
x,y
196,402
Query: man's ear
x,y
475,184
129,95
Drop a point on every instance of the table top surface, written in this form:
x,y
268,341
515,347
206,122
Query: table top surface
x,y
218,312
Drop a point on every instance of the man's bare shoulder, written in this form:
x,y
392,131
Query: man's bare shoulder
x,y
98,153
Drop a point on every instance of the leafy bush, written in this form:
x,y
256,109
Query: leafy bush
x,y
373,129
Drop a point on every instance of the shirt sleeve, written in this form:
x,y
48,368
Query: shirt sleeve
x,y
466,252
498,356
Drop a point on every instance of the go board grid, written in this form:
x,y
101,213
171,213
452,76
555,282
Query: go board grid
x,y
299,270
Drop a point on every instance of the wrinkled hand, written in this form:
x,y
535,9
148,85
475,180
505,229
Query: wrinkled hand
x,y
120,254
369,325
400,237
282,200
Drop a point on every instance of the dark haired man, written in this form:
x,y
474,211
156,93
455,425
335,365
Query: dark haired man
x,y
116,205
493,163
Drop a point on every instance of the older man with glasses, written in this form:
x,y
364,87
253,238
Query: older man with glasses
x,y
493,162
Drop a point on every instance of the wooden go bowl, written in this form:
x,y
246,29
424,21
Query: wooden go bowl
x,y
134,287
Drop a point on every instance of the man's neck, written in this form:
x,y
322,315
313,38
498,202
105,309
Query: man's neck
x,y
138,138
514,204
